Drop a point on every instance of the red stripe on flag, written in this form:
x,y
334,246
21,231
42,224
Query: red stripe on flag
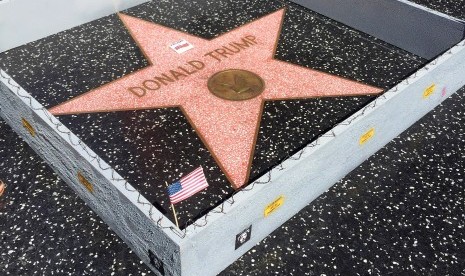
x,y
191,184
181,46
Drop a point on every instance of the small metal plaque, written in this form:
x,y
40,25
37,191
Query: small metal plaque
x,y
236,85
85,182
156,262
243,237
28,127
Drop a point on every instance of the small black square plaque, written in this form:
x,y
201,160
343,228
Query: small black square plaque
x,y
243,237
156,262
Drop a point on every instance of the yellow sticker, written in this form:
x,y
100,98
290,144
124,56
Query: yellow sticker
x,y
429,91
85,182
367,136
28,126
273,206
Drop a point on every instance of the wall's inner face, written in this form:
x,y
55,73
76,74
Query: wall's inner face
x,y
148,110
404,24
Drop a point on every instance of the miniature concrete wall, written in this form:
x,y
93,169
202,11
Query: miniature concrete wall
x,y
41,18
409,26
309,173
208,246
123,208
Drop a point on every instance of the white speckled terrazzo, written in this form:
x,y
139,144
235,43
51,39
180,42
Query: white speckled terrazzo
x,y
394,214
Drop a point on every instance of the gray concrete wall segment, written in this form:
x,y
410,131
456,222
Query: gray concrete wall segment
x,y
91,157
450,56
411,27
117,205
320,166
41,18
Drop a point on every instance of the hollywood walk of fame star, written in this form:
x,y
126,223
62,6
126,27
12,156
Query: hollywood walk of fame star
x,y
228,128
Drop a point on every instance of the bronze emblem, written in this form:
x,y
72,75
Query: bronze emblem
x,y
236,85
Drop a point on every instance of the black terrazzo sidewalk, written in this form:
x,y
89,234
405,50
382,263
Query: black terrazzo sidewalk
x,y
402,212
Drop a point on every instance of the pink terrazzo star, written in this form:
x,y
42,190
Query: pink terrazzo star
x,y
228,128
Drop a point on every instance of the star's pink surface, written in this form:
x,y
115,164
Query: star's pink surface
x,y
228,128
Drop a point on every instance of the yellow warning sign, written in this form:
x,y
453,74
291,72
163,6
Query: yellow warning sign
x,y
273,206
367,136
429,91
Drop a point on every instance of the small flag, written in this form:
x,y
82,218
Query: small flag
x,y
181,46
187,186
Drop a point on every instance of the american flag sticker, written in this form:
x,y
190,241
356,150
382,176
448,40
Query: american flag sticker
x,y
181,46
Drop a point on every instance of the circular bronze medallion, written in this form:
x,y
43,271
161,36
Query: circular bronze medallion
x,y
236,85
